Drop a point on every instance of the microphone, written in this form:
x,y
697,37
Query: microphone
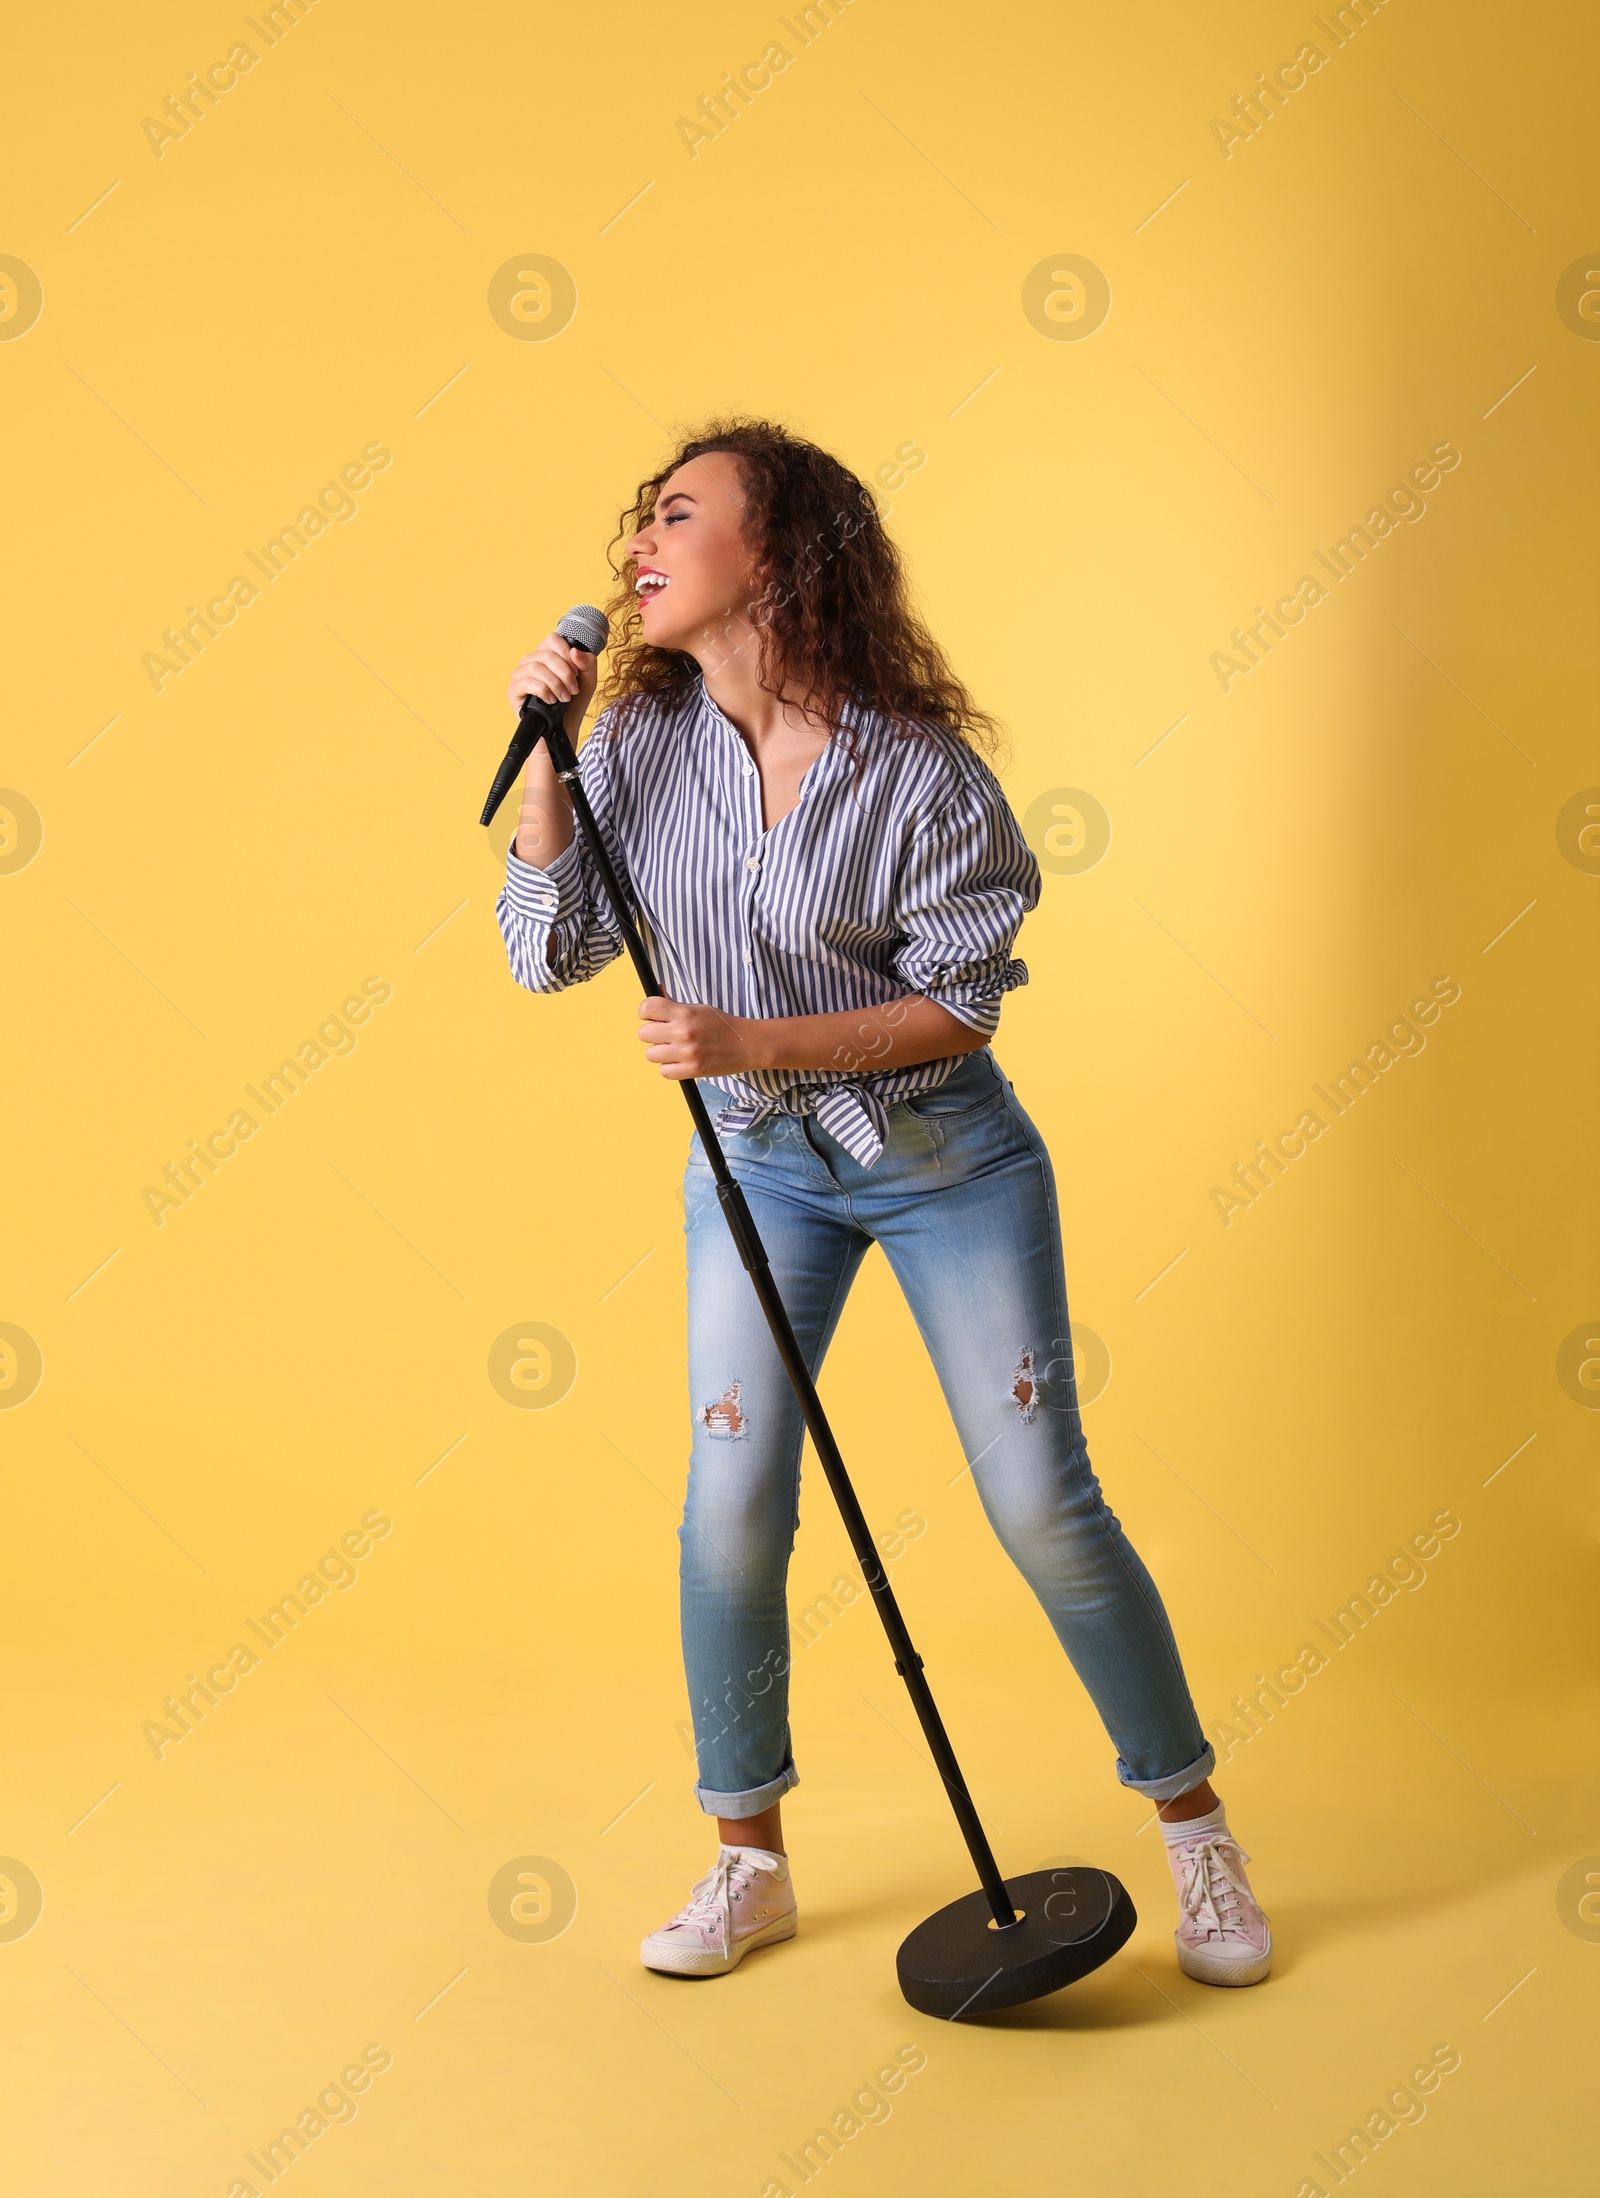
x,y
585,628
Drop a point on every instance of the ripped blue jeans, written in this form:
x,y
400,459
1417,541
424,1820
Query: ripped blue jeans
x,y
963,1202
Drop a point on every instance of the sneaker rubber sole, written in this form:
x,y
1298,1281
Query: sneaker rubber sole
x,y
1208,1968
688,1958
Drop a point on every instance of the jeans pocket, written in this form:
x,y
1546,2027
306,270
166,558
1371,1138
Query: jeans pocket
x,y
954,1116
964,1093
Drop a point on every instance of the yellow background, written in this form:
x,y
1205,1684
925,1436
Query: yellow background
x,y
224,861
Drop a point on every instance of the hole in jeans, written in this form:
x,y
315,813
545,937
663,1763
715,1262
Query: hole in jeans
x,y
1025,1386
725,1418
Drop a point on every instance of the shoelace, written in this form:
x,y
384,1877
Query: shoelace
x,y
1211,1891
710,1897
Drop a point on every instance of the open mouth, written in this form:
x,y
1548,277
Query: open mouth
x,y
649,584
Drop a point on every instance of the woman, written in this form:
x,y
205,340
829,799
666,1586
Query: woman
x,y
787,776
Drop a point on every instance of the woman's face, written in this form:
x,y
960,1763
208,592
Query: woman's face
x,y
693,567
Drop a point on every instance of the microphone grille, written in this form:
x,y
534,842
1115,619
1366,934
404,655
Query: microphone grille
x,y
585,627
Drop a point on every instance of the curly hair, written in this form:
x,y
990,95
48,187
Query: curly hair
x,y
834,617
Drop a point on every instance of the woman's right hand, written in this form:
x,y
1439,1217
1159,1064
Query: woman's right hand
x,y
557,672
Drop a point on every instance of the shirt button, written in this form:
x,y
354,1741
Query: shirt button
x,y
749,957
752,862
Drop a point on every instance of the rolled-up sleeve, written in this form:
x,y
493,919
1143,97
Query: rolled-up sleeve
x,y
557,922
967,881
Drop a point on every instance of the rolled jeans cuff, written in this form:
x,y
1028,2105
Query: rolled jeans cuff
x,y
752,1802
1176,1782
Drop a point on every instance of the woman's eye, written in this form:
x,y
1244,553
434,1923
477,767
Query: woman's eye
x,y
673,517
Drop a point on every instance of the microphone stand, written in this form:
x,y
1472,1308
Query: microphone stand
x,y
741,1224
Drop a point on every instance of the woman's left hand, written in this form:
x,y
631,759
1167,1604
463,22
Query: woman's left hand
x,y
687,1041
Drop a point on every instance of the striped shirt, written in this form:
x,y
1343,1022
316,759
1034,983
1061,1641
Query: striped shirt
x,y
914,879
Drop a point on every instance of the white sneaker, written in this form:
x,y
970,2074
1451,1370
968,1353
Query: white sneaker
x,y
745,1899
1223,1938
